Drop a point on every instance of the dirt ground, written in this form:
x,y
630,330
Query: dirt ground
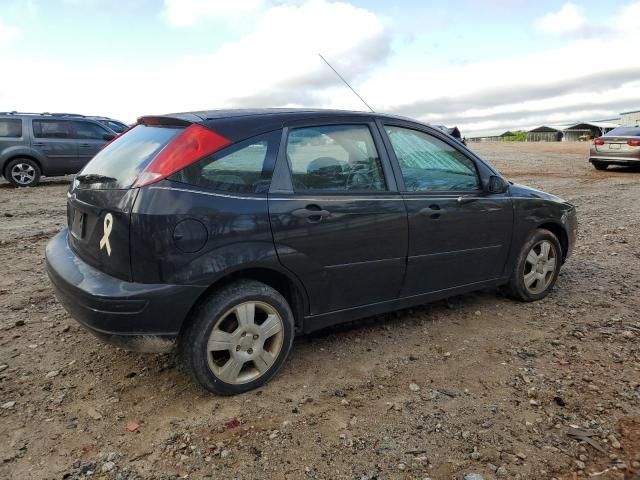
x,y
478,384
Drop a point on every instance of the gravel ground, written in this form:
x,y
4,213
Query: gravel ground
x,y
478,384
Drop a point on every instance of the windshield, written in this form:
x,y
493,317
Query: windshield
x,y
118,164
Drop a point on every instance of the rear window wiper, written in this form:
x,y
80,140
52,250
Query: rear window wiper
x,y
95,178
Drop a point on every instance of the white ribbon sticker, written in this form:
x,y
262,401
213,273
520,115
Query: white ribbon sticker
x,y
104,241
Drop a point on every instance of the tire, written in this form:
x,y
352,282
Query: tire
x,y
22,172
531,266
600,165
226,349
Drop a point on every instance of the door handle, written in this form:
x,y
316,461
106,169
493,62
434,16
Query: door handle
x,y
84,144
465,199
38,144
313,213
433,211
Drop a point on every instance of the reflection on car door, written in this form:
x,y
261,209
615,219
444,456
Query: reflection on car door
x,y
91,138
338,222
54,138
458,234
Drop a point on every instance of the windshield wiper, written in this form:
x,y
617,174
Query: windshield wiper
x,y
95,178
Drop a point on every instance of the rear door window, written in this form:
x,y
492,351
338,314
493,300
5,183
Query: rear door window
x,y
52,128
334,158
120,162
430,164
10,128
241,168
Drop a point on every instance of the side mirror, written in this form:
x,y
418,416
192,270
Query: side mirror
x,y
108,136
497,184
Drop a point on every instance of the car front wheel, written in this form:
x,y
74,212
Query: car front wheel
x,y
22,172
537,267
238,338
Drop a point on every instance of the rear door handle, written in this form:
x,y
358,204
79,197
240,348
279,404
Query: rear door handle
x,y
38,144
433,211
313,213
84,145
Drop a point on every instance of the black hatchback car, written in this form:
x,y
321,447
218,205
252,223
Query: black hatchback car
x,y
228,232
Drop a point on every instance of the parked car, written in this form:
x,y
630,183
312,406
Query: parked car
x,y
49,144
621,146
228,232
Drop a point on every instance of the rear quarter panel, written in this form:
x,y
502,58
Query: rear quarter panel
x,y
234,232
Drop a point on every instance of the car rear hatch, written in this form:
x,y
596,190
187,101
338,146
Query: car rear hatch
x,y
620,142
103,194
617,145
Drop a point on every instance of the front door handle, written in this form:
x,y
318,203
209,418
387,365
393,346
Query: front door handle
x,y
313,213
84,145
38,144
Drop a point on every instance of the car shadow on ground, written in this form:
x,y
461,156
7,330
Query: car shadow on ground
x,y
457,302
43,184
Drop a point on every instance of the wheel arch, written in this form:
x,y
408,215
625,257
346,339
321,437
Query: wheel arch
x,y
289,287
13,155
561,234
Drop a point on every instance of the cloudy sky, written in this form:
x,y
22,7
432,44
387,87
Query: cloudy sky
x,y
484,66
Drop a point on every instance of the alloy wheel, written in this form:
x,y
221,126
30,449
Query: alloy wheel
x,y
23,173
245,342
540,266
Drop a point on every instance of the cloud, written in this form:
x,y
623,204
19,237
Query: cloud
x,y
576,78
8,33
252,71
185,13
257,70
568,20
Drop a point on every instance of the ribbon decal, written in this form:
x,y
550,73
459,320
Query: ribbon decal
x,y
104,241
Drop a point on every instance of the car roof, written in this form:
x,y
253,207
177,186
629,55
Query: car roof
x,y
53,115
238,124
288,113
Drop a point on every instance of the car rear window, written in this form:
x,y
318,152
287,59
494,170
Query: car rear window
x,y
624,132
118,164
10,127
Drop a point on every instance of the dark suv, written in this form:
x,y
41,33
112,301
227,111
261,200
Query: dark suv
x,y
50,144
227,232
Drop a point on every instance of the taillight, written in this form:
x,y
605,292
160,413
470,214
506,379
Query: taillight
x,y
194,143
633,143
598,141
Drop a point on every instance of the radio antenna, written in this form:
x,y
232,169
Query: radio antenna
x,y
346,83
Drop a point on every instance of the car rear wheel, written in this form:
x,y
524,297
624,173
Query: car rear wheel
x,y
537,267
238,338
22,172
600,165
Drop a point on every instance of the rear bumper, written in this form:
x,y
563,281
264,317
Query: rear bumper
x,y
136,316
615,160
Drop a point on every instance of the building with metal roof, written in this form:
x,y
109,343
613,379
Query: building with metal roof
x,y
630,119
546,133
588,130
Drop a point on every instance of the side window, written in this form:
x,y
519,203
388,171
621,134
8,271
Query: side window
x,y
429,164
89,131
242,168
334,158
52,129
10,128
